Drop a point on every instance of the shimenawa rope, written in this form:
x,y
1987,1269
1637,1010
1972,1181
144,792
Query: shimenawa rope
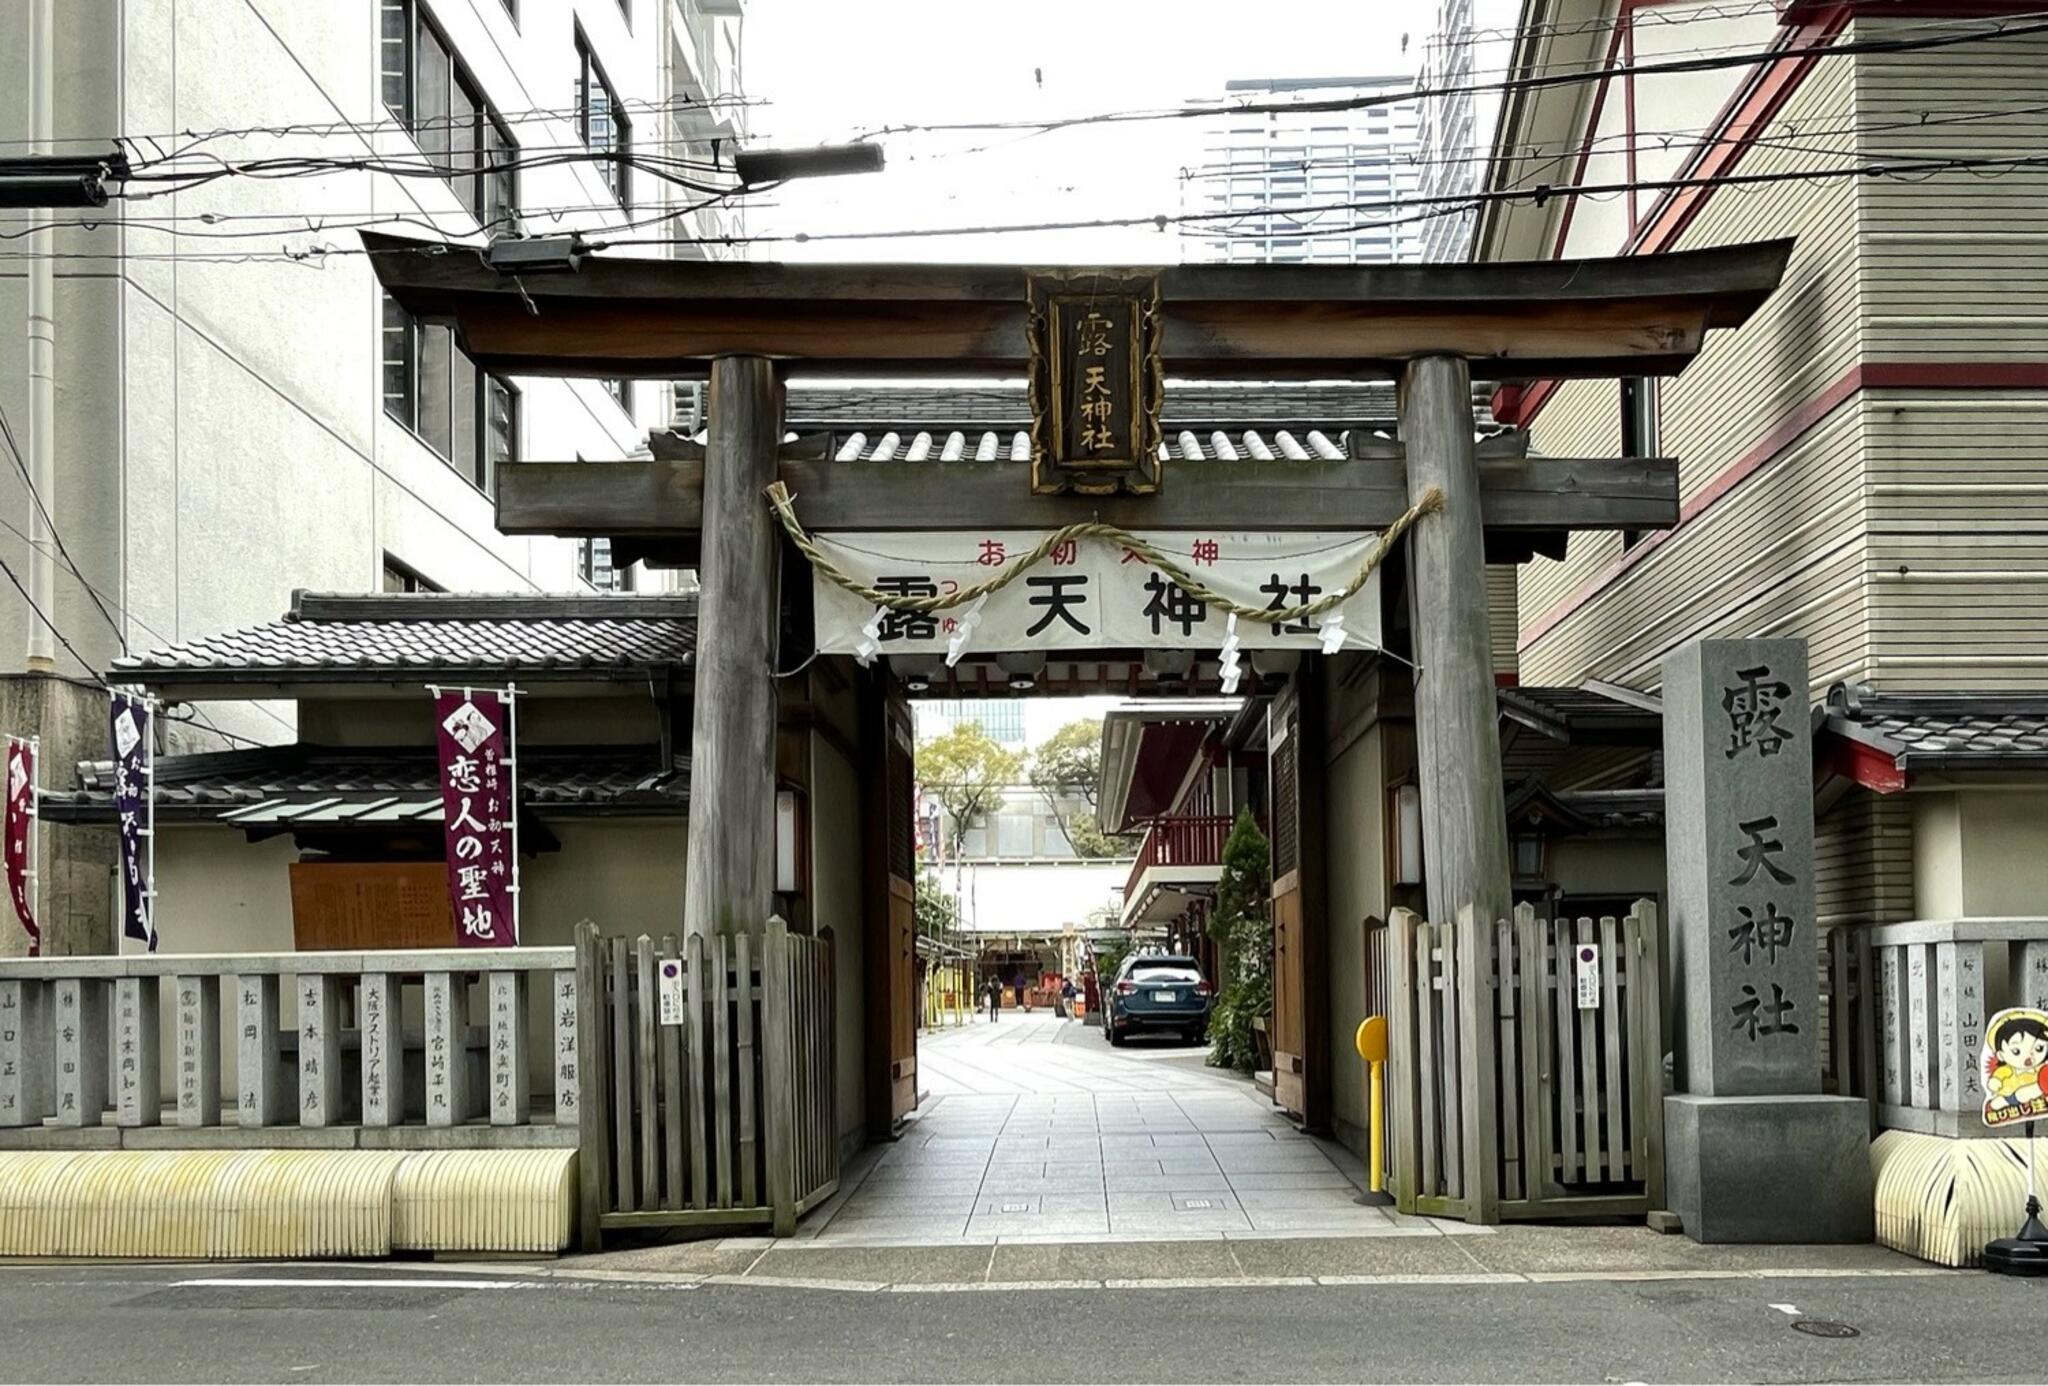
x,y
1428,503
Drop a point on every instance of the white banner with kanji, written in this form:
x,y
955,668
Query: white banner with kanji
x,y
1094,593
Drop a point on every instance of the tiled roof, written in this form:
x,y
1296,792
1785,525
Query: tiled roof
x,y
1297,444
398,779
327,636
1594,714
1532,802
1944,731
1207,421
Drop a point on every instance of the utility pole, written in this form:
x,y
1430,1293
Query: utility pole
x,y
42,349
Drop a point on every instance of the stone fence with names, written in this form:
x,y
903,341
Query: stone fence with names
x,y
1934,983
398,1049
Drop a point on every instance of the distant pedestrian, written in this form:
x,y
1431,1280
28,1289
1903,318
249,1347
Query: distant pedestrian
x,y
995,999
1068,991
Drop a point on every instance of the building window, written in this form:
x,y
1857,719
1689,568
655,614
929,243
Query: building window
x,y
621,392
601,122
457,408
400,576
434,97
1015,833
594,562
1642,427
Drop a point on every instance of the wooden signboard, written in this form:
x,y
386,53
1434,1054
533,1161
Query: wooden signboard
x,y
363,905
1097,382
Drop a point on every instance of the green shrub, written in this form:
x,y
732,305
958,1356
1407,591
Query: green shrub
x,y
1243,929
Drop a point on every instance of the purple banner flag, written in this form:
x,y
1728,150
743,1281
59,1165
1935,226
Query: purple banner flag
x,y
473,732
135,812
18,831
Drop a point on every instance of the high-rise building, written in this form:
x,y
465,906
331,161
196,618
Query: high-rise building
x,y
237,409
1279,168
1465,59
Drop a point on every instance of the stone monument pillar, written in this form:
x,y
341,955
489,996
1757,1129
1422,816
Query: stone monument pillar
x,y
1754,1151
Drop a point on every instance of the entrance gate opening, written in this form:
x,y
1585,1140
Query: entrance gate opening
x,y
760,509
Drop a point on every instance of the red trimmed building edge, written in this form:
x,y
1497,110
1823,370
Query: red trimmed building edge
x,y
1866,375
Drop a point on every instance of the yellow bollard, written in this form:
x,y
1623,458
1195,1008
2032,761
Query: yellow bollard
x,y
1372,1047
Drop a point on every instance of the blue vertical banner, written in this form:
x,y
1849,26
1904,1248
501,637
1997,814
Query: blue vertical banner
x,y
135,813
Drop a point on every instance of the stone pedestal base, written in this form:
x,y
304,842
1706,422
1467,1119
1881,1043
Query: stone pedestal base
x,y
1779,1169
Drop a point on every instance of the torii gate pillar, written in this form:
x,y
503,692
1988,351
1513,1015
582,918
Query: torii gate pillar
x,y
1457,718
730,874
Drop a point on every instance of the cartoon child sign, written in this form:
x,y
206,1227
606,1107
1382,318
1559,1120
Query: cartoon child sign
x,y
2015,1055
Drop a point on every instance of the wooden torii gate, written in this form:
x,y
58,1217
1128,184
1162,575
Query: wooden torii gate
x,y
1432,328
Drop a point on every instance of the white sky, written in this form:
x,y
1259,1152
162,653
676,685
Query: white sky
x,y
832,69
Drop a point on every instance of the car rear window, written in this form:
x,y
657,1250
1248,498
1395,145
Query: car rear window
x,y
1152,974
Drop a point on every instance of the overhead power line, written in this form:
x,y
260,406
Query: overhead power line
x,y
2001,28
1434,206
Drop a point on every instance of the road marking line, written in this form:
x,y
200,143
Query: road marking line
x,y
1791,1309
954,1287
1211,1282
793,1282
1453,1278
365,1282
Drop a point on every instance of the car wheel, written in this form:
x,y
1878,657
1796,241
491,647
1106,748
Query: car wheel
x,y
1116,1040
1197,1035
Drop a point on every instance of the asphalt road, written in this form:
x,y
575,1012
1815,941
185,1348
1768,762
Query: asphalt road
x,y
233,1324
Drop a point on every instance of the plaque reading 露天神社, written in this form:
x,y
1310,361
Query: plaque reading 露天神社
x,y
1096,382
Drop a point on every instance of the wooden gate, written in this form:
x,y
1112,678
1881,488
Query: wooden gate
x,y
1511,1094
1290,944
719,1107
901,950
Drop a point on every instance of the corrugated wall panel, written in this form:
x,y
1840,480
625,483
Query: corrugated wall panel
x,y
1863,861
1780,555
1956,270
1503,620
1788,521
1956,264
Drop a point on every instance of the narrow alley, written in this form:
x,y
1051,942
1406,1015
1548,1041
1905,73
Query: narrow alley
x,y
1034,1129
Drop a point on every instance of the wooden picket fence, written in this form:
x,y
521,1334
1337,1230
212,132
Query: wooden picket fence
x,y
725,1116
1507,1099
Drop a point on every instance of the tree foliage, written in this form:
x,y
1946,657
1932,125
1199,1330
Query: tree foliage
x,y
1066,769
1243,929
1090,841
937,908
1068,764
1108,955
966,771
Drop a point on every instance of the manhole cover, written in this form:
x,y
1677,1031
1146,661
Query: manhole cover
x,y
1825,1328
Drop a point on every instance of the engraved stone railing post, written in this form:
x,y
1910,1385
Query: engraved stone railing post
x,y
80,1030
319,1049
510,1090
565,1056
259,1076
138,1056
377,1008
447,1051
2033,978
198,1001
1959,1002
24,1052
1920,1011
1891,989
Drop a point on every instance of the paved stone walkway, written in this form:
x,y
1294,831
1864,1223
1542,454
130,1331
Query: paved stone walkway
x,y
1035,1130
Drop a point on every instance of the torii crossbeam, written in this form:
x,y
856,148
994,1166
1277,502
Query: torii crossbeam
x,y
1434,328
